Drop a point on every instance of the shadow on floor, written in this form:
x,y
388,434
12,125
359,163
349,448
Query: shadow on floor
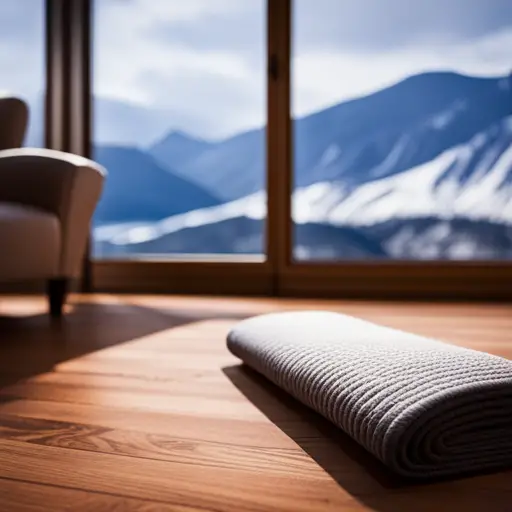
x,y
351,466
31,344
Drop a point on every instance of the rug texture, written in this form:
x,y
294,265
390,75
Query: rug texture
x,y
424,408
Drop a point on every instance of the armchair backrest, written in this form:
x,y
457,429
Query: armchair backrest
x,y
13,122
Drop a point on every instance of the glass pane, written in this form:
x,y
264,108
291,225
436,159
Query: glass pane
x,y
179,123
23,60
402,130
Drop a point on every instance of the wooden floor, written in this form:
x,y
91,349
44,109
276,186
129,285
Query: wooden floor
x,y
134,404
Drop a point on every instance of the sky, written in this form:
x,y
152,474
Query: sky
x,y
199,65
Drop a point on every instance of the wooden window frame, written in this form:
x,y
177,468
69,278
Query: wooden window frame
x,y
278,275
56,100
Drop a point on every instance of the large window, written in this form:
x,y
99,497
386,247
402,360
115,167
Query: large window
x,y
403,130
22,60
400,148
179,122
395,173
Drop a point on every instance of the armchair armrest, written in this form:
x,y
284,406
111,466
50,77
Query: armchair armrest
x,y
69,186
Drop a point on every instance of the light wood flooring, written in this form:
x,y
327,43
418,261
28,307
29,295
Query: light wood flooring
x,y
134,404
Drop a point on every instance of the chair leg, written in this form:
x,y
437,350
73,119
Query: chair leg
x,y
57,290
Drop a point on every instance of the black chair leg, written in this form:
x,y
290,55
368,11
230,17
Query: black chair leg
x,y
57,290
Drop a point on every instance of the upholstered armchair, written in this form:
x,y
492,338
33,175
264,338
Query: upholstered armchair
x,y
47,199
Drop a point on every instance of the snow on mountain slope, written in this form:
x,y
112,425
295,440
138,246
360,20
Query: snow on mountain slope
x,y
431,238
472,181
252,207
389,134
379,135
234,235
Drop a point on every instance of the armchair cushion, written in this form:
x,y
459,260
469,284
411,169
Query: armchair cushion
x,y
30,242
63,185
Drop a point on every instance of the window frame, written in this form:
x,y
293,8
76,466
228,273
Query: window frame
x,y
278,275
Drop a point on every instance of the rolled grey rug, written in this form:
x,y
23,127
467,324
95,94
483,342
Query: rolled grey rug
x,y
424,408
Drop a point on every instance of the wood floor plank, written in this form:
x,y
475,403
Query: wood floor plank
x,y
291,461
205,384
134,403
266,435
233,408
16,496
197,486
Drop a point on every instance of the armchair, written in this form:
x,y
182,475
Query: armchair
x,y
47,199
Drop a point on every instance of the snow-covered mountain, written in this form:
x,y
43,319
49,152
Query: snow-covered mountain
x,y
457,205
357,141
420,170
398,128
472,180
231,235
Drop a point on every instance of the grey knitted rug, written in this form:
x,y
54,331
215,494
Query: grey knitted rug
x,y
424,408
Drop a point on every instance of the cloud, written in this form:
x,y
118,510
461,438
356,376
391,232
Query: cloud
x,y
362,25
226,25
213,91
202,62
378,25
323,77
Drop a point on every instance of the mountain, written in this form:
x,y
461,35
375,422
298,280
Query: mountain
x,y
397,128
472,180
431,238
138,189
379,135
229,169
456,206
237,235
177,148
